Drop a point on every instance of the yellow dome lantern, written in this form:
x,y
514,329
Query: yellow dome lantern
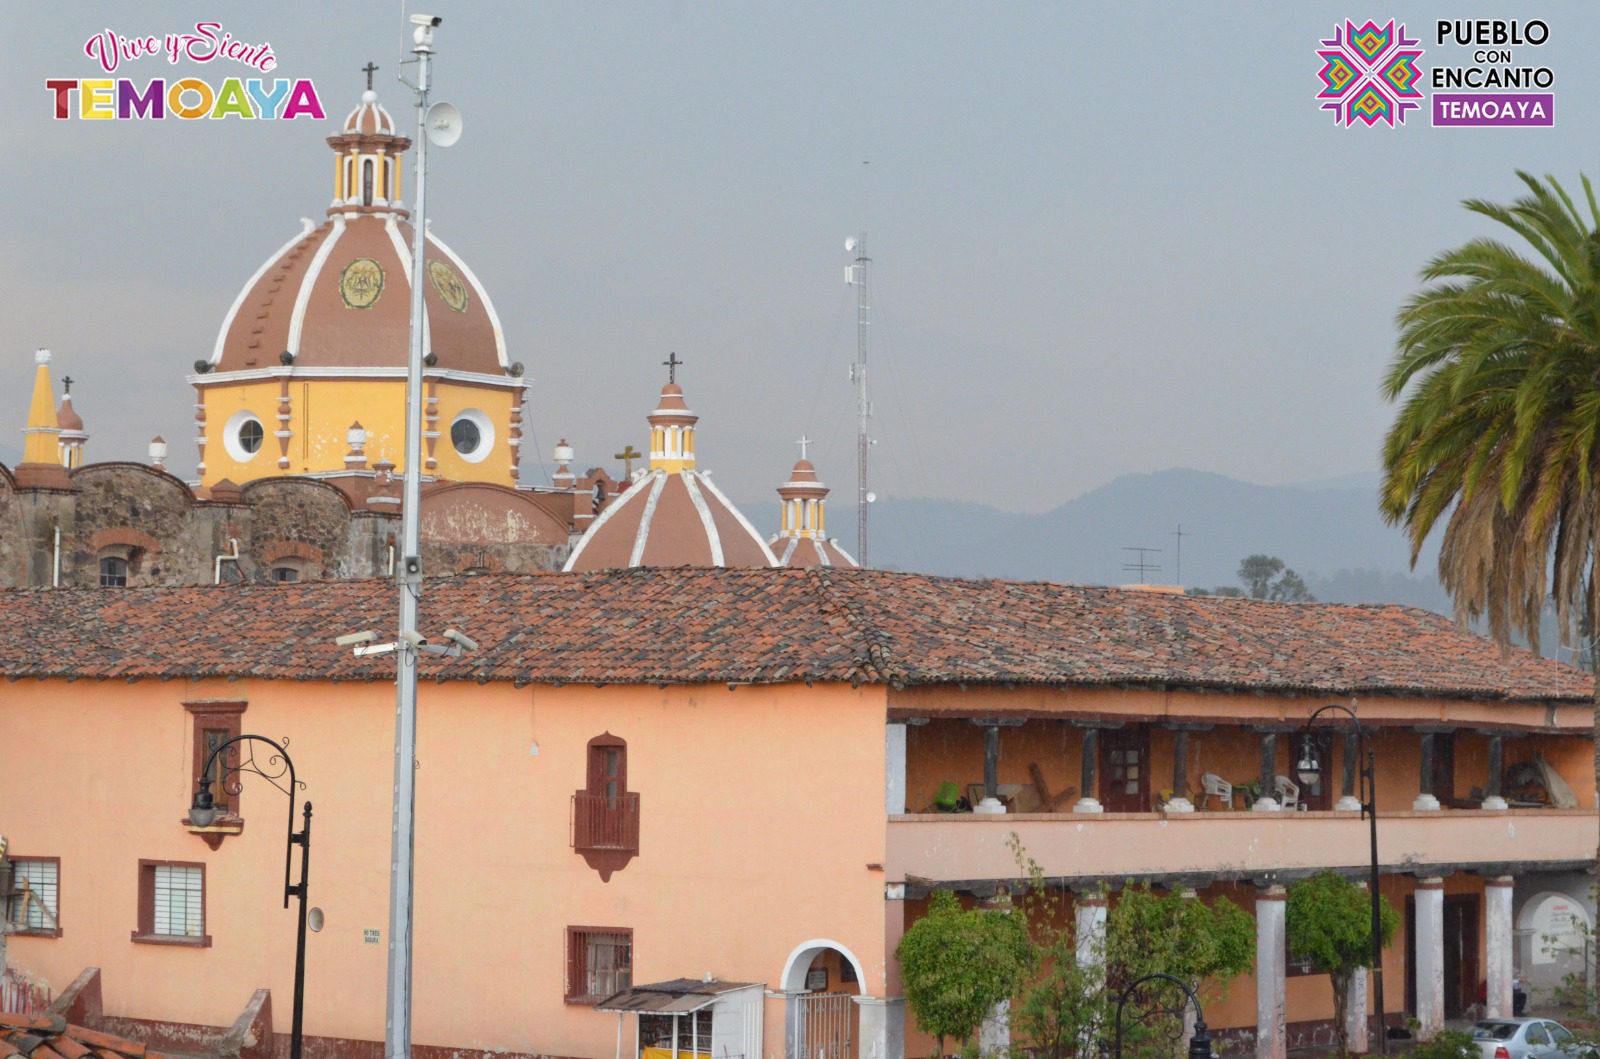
x,y
319,336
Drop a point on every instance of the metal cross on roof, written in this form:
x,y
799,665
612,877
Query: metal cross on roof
x,y
369,70
627,456
671,364
66,381
803,442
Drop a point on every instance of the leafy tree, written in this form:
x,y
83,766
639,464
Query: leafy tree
x,y
1497,430
1329,920
1266,577
957,964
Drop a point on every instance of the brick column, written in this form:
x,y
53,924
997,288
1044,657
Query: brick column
x,y
1272,1040
1500,944
1087,802
1429,944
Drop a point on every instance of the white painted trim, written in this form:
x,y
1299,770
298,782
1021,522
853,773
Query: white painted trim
x,y
706,521
822,553
298,317
392,226
488,306
853,560
285,372
604,517
230,435
233,310
772,560
793,979
641,537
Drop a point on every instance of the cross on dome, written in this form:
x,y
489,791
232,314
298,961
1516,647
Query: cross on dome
x,y
671,364
66,383
369,69
803,441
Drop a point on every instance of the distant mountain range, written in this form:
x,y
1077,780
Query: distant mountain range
x,y
1329,532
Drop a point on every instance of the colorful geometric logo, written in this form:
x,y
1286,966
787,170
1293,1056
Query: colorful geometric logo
x,y
1370,74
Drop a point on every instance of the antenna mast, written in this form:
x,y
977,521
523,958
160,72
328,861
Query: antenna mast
x,y
856,276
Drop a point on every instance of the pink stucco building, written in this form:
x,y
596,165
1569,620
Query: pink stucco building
x,y
668,775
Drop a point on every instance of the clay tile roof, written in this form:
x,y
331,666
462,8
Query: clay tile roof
x,y
685,625
43,1036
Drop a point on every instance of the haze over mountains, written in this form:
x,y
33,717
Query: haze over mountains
x,y
1329,532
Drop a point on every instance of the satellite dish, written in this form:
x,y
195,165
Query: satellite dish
x,y
850,245
444,124
314,919
872,498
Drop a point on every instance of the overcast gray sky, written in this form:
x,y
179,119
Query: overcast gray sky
x,y
1107,238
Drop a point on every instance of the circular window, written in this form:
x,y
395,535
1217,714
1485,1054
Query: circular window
x,y
243,435
465,436
472,435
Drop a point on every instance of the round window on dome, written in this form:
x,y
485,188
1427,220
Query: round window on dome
x,y
243,435
472,435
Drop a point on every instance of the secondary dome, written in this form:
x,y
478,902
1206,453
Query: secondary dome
x,y
672,515
338,295
803,537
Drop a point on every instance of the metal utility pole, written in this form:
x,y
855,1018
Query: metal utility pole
x,y
856,275
408,574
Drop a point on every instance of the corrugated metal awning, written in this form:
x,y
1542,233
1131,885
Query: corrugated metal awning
x,y
681,996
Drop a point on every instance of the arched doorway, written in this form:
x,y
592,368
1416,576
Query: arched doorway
x,y
820,979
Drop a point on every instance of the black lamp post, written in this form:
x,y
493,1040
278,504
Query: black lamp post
x,y
1199,1044
1310,770
203,813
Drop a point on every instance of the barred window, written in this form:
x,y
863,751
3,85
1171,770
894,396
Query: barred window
x,y
599,963
172,903
31,906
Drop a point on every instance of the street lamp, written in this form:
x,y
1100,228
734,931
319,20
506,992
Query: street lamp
x,y
203,813
1310,770
1199,1044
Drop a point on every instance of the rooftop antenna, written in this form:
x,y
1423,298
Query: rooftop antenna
x,y
855,274
1141,563
1179,534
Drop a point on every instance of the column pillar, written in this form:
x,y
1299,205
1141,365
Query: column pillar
x,y
1090,909
991,761
1272,1038
1087,802
1429,943
994,1032
1426,802
1268,802
1179,802
1493,799
883,1026
1348,802
894,770
1356,1026
1499,945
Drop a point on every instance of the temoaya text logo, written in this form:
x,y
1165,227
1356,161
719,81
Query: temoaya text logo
x,y
1370,74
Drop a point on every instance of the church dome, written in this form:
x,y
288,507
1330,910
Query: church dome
x,y
338,295
672,515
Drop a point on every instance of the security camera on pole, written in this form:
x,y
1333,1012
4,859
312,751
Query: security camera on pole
x,y
442,125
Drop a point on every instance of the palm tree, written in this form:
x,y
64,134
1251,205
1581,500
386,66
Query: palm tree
x,y
1498,363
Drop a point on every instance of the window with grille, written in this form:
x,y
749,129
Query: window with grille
x,y
605,815
214,724
599,963
32,905
172,903
113,572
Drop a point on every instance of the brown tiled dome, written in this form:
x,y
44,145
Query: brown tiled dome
x,y
670,519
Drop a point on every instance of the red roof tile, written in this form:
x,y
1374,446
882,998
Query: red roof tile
x,y
698,625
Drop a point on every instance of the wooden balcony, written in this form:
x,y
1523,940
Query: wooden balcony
x,y
602,823
968,847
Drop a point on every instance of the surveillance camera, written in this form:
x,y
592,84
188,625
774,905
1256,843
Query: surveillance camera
x,y
414,638
456,636
353,638
425,20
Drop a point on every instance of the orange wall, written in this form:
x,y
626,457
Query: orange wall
x,y
750,845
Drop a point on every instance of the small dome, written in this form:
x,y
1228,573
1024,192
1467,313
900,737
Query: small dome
x,y
67,417
809,551
369,118
667,519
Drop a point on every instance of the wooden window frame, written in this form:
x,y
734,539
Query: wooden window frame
x,y
577,960
605,824
1115,739
102,574
145,933
12,929
210,716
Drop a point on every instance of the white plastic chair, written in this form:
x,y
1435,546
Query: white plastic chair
x,y
1216,787
1287,792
